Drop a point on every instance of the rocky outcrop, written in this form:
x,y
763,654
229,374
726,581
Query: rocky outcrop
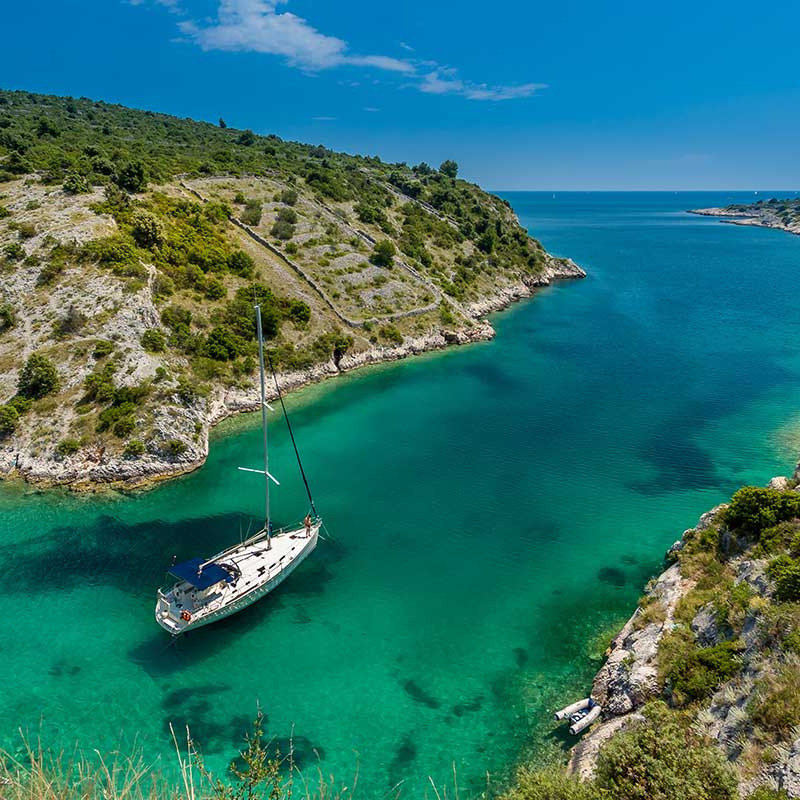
x,y
555,269
787,771
629,678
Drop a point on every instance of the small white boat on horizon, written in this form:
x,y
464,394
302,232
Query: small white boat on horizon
x,y
207,590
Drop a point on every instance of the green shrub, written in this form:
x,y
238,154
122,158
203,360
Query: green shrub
x,y
768,793
49,272
68,447
289,197
132,177
146,228
22,405
659,759
282,230
75,184
102,348
9,417
549,784
124,426
246,138
251,215
153,340
38,377
214,289
785,571
753,509
383,253
240,263
134,448
4,212
701,670
778,537
174,447
239,198
100,385
391,334
163,285
223,344
286,215
369,214
449,168
14,251
187,392
8,317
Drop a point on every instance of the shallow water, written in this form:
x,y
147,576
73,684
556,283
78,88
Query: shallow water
x,y
493,511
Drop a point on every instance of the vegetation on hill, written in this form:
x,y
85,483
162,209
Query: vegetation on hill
x,y
133,246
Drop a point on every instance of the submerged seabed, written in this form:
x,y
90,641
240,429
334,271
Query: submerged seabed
x,y
492,511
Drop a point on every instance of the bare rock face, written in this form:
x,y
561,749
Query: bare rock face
x,y
780,483
789,772
705,626
754,573
629,678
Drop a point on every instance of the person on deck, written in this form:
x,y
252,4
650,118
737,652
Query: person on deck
x,y
307,523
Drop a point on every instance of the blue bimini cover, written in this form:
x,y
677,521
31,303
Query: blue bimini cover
x,y
189,571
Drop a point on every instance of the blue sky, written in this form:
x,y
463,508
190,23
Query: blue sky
x,y
524,95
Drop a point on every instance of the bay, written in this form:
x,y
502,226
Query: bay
x,y
493,512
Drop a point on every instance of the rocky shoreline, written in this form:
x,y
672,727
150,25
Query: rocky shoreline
x,y
93,471
629,677
753,216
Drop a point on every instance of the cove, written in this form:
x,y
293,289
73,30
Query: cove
x,y
493,511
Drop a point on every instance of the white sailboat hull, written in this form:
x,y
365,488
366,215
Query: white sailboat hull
x,y
262,570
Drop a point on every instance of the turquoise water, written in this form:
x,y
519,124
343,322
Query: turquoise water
x,y
493,510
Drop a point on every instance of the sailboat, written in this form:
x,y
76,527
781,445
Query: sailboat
x,y
203,591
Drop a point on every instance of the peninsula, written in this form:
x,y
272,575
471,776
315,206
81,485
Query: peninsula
x,y
132,246
782,214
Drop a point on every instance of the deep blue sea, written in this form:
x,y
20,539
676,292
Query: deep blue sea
x,y
495,512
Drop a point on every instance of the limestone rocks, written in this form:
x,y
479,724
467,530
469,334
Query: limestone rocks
x,y
555,269
629,678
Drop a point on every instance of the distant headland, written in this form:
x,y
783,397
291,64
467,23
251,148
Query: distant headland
x,y
784,215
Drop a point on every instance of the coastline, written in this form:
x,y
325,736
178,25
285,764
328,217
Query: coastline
x,y
629,677
752,219
89,473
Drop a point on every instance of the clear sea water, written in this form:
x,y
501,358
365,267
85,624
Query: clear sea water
x,y
495,511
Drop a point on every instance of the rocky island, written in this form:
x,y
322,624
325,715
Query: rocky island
x,y
783,214
132,246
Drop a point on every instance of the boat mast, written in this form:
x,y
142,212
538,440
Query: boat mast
x,y
267,526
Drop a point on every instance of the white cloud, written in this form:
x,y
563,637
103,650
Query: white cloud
x,y
371,110
259,26
324,119
446,81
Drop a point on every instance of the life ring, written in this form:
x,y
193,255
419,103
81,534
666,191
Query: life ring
x,y
186,616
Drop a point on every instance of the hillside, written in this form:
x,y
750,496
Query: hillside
x,y
132,245
783,214
700,688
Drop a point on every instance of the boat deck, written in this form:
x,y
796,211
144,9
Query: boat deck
x,y
261,569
